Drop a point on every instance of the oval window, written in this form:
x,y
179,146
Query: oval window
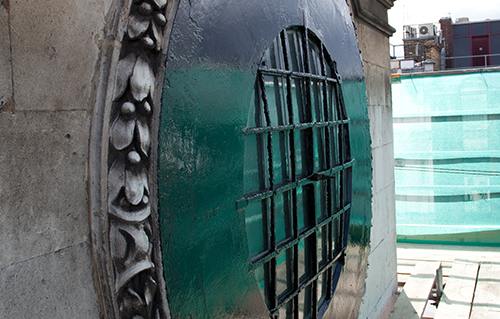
x,y
297,176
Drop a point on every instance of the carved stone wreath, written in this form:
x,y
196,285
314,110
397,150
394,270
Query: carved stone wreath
x,y
124,219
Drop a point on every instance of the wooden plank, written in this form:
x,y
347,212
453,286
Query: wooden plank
x,y
486,303
456,300
405,269
402,279
412,300
406,262
403,308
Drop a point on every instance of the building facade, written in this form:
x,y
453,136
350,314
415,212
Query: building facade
x,y
473,44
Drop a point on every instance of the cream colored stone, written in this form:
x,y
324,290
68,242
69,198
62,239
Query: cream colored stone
x,y
381,282
381,130
55,47
43,183
384,219
58,285
373,44
383,168
378,84
5,64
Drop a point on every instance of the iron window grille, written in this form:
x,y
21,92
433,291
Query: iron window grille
x,y
299,192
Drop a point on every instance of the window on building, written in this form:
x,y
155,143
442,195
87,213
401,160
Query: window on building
x,y
297,176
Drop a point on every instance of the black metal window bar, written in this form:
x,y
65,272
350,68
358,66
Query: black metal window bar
x,y
300,129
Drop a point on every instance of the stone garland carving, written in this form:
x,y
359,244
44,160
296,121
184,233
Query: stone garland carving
x,y
129,196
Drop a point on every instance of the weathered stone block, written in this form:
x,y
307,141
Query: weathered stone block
x,y
381,275
378,84
381,130
43,183
374,45
383,167
56,285
384,219
5,64
384,305
54,50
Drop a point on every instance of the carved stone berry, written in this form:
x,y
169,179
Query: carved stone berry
x,y
134,157
160,19
147,108
128,108
148,43
145,9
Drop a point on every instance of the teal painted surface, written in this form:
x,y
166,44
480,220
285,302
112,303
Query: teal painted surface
x,y
205,247
447,157
201,162
207,95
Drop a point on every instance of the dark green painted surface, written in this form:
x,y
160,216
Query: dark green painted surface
x,y
208,90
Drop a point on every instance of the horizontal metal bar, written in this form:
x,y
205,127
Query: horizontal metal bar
x,y
471,56
331,172
266,256
270,71
247,200
291,127
307,283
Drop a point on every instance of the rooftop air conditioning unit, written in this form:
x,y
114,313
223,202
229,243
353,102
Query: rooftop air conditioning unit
x,y
426,30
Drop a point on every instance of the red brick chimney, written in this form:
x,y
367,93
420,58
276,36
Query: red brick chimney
x,y
447,33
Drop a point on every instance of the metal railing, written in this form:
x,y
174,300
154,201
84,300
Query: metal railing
x,y
448,62
417,47
486,57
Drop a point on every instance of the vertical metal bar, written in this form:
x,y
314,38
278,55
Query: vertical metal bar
x,y
489,44
329,206
339,244
439,281
282,136
309,189
471,46
261,166
272,231
345,156
295,305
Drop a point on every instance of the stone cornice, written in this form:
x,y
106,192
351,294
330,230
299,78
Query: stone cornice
x,y
364,10
387,3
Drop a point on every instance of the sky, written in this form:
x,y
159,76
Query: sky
x,y
407,12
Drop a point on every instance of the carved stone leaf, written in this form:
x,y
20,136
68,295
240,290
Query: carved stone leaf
x,y
149,290
134,216
141,241
133,270
158,36
144,137
116,180
135,182
124,71
118,243
160,3
132,300
142,80
122,133
137,25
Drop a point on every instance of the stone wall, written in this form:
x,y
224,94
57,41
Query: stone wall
x,y
373,38
48,55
